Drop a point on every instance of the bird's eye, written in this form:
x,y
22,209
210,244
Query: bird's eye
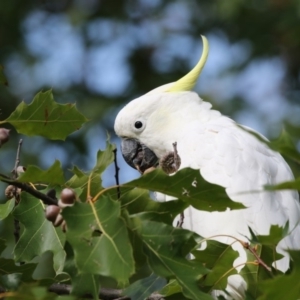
x,y
138,124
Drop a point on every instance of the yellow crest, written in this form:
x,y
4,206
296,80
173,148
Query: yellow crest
x,y
187,82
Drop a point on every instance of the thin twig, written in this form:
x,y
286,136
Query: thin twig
x,y
17,162
15,191
259,260
117,169
24,187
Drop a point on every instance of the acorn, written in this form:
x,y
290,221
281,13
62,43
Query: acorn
x,y
4,136
67,198
52,212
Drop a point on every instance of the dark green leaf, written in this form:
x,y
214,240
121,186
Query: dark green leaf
x,y
138,201
53,176
219,258
12,275
188,185
166,251
39,234
44,117
283,286
86,284
265,248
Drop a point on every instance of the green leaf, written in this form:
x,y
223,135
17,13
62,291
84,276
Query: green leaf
x,y
138,201
165,247
12,275
143,288
188,185
104,158
288,185
283,286
80,179
39,234
53,176
265,248
32,292
100,239
6,208
86,284
44,117
3,79
219,258
171,288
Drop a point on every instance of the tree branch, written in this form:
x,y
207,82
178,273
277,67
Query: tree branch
x,y
24,187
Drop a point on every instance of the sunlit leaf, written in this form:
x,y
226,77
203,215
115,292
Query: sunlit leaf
x,y
53,176
188,185
6,208
39,234
44,117
100,239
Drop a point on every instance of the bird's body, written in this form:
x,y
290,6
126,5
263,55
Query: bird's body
x,y
225,154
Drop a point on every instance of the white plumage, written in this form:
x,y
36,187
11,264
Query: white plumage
x,y
225,155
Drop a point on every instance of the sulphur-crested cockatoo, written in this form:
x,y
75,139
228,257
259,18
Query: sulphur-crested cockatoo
x,y
224,153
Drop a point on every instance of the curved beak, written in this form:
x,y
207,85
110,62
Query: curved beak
x,y
137,155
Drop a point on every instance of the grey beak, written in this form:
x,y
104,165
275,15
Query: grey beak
x,y
137,155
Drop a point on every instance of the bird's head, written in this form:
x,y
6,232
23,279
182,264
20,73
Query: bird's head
x,y
155,113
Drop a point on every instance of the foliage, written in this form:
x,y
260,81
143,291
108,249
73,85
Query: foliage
x,y
118,237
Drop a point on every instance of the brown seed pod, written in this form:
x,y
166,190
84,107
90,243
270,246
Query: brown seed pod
x,y
52,212
67,198
4,136
171,162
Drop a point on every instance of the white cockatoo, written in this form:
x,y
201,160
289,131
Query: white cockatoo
x,y
224,153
